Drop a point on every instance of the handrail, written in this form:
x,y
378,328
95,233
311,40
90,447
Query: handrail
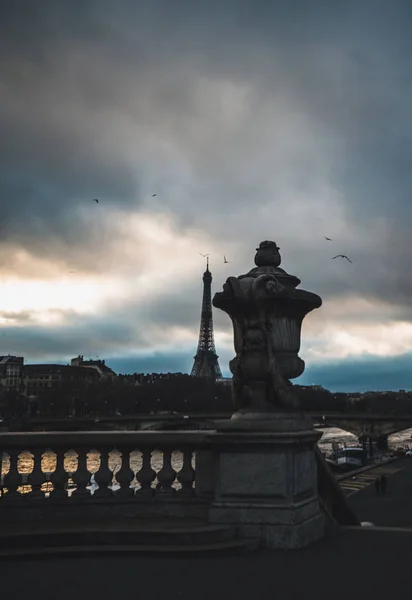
x,y
101,438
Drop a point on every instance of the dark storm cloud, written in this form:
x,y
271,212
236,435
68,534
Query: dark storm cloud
x,y
78,334
180,308
156,362
226,108
76,76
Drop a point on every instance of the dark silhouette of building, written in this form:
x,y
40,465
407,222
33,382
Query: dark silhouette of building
x,y
100,366
11,372
42,377
206,360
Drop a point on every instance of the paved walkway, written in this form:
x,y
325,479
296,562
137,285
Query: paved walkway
x,y
358,564
394,509
355,484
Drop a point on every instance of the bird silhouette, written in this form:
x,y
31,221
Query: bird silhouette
x,y
329,239
96,200
153,195
342,256
224,260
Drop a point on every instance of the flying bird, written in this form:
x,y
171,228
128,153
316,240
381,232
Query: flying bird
x,y
329,239
96,200
342,256
224,259
153,195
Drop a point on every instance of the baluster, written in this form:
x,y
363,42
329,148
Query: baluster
x,y
147,474
36,477
104,476
1,474
167,474
59,477
186,475
125,475
13,479
81,477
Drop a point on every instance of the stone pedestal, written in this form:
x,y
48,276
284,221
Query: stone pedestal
x,y
266,476
266,479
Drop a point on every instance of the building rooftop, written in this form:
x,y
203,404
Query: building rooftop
x,y
9,357
53,368
98,363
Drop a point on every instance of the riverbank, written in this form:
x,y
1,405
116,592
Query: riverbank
x,y
392,509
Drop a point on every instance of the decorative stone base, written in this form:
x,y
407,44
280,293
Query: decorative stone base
x,y
266,481
270,526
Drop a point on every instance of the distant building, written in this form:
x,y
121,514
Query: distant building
x,y
128,379
99,365
44,376
11,372
310,388
149,378
224,381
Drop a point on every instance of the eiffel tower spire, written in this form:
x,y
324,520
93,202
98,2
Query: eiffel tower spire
x,y
206,360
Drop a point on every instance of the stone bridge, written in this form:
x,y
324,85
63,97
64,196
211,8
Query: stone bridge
x,y
364,425
144,422
367,425
179,425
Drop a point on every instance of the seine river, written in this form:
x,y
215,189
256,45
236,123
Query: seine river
x,y
25,467
330,435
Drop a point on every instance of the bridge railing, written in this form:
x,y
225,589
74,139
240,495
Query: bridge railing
x,y
62,469
88,475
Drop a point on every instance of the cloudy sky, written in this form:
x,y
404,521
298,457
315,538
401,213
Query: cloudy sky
x,y
250,120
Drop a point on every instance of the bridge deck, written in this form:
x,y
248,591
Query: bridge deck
x,y
384,557
331,565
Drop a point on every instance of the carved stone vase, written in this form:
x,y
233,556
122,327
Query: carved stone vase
x,y
267,312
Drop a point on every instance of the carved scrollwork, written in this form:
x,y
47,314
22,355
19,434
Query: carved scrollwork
x,y
254,338
273,287
266,286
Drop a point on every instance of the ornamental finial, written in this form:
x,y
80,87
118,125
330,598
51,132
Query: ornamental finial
x,y
267,255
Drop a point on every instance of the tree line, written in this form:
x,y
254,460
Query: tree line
x,y
179,393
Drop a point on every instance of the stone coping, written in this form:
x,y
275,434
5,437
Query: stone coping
x,y
22,440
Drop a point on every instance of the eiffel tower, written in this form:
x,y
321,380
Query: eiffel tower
x,y
206,360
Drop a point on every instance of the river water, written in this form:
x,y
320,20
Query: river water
x,y
333,434
25,467
330,435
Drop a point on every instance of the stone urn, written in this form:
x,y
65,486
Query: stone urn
x,y
267,313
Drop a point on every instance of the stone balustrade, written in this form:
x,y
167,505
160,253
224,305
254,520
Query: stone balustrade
x,y
263,483
97,468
